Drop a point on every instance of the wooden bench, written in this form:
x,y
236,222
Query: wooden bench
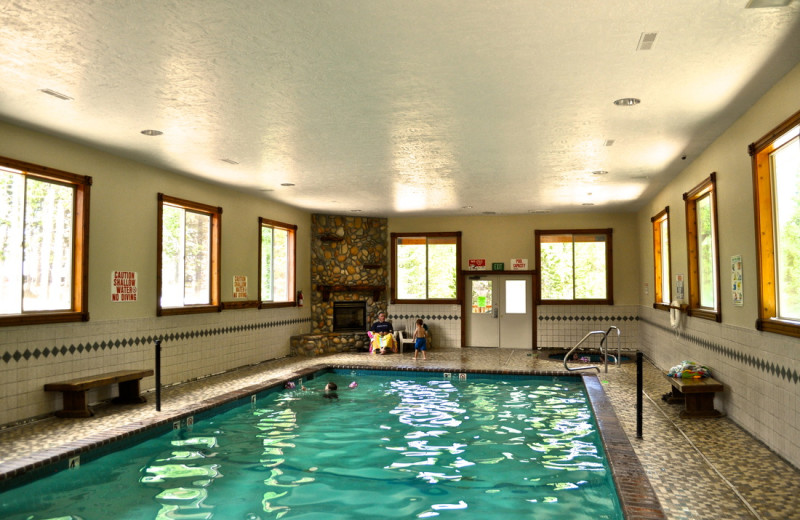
x,y
696,394
74,390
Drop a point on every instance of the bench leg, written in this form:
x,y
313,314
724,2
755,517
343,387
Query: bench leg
x,y
129,393
75,405
700,405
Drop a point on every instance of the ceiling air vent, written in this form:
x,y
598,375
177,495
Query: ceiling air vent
x,y
646,41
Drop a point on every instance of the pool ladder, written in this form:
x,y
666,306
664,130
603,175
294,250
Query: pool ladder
x,y
603,350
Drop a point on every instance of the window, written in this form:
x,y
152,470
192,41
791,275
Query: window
x,y
661,259
188,257
44,226
276,267
425,267
703,247
574,266
776,181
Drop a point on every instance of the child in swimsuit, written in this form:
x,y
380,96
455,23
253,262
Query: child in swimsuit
x,y
420,339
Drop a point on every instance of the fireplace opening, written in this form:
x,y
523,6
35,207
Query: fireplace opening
x,y
349,316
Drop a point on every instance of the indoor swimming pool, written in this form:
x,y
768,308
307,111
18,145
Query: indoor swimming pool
x,y
391,444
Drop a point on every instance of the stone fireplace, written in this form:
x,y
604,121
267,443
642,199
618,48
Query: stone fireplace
x,y
349,269
349,263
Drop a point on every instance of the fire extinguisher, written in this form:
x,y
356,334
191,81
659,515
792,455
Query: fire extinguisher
x,y
299,298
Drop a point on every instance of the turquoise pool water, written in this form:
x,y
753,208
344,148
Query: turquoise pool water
x,y
400,445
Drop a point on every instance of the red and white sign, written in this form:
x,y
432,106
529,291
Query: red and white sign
x,y
519,264
123,286
240,287
477,264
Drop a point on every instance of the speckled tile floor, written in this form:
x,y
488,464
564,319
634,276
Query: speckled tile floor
x,y
698,468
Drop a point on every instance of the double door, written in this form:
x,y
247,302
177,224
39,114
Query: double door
x,y
499,311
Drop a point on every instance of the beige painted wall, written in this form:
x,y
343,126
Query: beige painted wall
x,y
124,213
501,238
728,157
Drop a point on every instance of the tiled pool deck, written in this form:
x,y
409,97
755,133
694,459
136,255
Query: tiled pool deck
x,y
698,468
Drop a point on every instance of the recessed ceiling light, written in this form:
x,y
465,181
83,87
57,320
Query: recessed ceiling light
x,y
229,161
609,142
356,211
59,95
489,212
287,184
627,102
152,132
539,211
588,204
466,207
755,4
599,172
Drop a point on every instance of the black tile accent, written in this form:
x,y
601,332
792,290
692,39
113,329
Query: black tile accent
x,y
130,342
779,372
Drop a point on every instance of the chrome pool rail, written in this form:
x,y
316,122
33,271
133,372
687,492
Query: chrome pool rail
x,y
603,350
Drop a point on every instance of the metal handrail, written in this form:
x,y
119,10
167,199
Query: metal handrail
x,y
604,348
578,345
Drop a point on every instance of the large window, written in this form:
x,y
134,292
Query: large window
x,y
776,181
276,268
188,256
703,247
44,236
425,266
661,260
574,266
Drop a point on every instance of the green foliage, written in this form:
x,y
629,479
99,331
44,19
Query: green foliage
x,y
573,269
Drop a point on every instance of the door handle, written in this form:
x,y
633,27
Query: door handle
x,y
496,312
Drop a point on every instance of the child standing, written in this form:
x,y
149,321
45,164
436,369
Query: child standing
x,y
420,339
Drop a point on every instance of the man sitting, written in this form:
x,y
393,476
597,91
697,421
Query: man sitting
x,y
382,338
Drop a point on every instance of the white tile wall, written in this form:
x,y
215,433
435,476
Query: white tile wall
x,y
563,326
211,343
444,321
759,370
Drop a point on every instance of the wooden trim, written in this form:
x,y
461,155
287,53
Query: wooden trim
x,y
608,232
393,267
787,328
291,230
79,298
706,187
766,274
215,268
526,272
772,135
41,318
276,305
189,309
658,267
240,304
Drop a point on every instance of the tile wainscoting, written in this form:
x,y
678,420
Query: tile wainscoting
x,y
193,346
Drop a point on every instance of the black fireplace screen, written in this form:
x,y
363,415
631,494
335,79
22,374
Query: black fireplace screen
x,y
349,316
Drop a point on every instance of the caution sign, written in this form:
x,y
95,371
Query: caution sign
x,y
123,286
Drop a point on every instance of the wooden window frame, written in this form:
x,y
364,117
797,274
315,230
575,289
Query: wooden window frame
x,y
609,299
215,213
292,230
80,254
658,268
760,151
459,289
707,187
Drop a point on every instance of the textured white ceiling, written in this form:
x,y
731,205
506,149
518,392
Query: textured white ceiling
x,y
398,107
